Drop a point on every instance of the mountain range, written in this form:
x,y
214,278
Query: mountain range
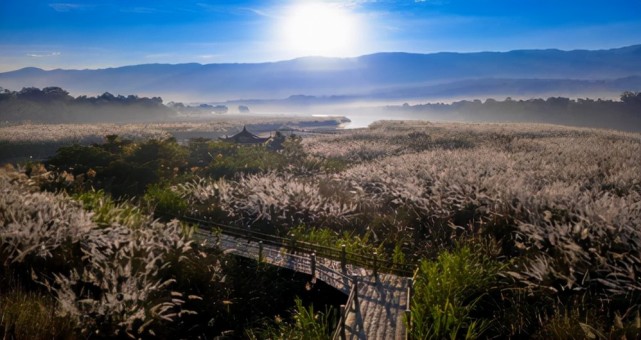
x,y
375,76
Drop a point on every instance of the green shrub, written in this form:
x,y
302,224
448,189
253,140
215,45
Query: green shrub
x,y
165,201
307,325
446,292
398,256
29,315
354,244
106,211
245,160
570,323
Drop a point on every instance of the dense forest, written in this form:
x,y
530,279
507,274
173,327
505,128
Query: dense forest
x,y
55,105
624,114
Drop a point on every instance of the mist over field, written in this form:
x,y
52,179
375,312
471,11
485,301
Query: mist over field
x,y
364,89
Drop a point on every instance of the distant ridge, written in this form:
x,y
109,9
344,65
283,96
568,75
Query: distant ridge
x,y
389,74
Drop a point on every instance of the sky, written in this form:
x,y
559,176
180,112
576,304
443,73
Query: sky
x,y
79,34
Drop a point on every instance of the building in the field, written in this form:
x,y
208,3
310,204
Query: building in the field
x,y
245,137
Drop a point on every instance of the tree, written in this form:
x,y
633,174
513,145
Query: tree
x,y
56,93
31,93
629,97
220,109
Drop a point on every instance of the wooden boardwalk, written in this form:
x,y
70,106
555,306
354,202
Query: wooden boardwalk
x,y
374,311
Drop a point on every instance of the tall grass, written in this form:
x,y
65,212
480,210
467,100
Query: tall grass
x,y
107,277
307,325
446,293
31,315
563,204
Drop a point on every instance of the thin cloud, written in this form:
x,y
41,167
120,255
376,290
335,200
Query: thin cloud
x,y
209,56
68,7
208,7
43,55
258,12
235,10
160,55
142,10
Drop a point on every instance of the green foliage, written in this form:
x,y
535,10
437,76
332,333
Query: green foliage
x,y
572,323
122,168
582,321
53,104
398,256
202,151
108,277
626,326
334,165
106,211
631,98
446,293
293,148
165,201
164,156
79,159
245,160
560,205
307,325
354,244
30,315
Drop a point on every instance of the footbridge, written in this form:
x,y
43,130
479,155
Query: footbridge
x,y
379,292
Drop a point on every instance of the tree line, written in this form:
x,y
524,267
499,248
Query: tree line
x,y
56,105
624,113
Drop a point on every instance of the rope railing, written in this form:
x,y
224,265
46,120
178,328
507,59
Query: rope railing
x,y
370,262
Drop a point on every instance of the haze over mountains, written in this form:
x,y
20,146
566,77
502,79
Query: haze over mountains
x,y
376,76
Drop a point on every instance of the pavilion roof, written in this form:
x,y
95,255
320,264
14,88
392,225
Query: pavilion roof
x,y
245,137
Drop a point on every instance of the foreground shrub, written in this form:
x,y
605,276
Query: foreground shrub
x,y
307,325
446,293
30,315
163,200
107,278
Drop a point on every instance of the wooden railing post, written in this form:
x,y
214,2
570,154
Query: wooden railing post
x,y
313,265
355,287
408,309
260,251
343,257
343,319
375,263
408,331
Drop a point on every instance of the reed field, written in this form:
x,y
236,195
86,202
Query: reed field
x,y
514,230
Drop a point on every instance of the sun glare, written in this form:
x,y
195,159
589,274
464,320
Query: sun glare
x,y
319,29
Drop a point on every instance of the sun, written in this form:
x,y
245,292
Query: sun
x,y
319,29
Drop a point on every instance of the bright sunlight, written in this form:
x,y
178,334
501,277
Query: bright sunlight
x,y
319,29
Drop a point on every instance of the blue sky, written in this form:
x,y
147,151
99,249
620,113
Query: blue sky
x,y
97,33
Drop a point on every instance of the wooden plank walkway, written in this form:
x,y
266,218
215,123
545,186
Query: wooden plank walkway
x,y
381,299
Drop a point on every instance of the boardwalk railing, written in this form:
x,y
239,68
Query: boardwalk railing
x,y
370,262
349,307
307,263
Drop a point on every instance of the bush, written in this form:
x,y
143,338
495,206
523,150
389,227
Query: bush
x,y
30,315
307,325
245,160
446,292
163,200
108,277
